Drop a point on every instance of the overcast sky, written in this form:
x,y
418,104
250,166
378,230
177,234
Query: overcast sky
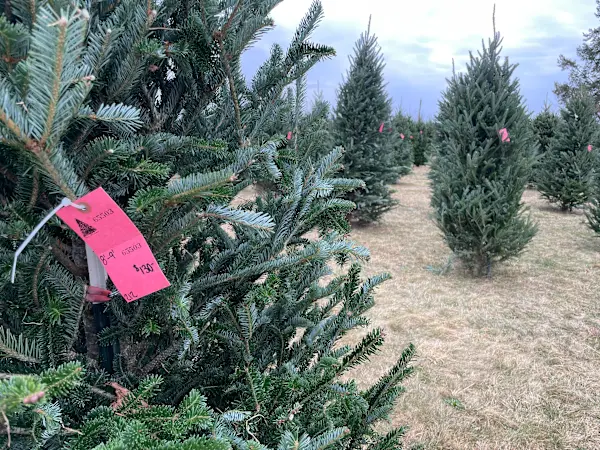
x,y
420,38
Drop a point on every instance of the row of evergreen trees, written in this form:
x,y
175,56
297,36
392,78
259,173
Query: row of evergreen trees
x,y
379,147
243,349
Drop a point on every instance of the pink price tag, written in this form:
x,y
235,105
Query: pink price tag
x,y
120,246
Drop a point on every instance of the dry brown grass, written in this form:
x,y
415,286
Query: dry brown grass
x,y
519,353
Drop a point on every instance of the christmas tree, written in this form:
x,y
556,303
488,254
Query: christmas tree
x,y
400,135
483,162
420,140
566,170
314,136
545,126
361,121
420,143
151,105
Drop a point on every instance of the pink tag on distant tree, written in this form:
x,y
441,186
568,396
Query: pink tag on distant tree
x,y
504,135
289,135
589,147
381,128
411,137
120,246
421,132
402,136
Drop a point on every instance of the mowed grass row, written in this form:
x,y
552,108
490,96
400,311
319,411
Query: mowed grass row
x,y
507,363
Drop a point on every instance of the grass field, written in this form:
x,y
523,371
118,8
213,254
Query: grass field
x,y
507,363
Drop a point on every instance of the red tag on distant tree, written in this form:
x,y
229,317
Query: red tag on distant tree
x,y
120,246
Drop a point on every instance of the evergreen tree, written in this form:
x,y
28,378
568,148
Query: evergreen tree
x,y
403,123
545,126
151,105
566,170
314,135
583,73
483,162
362,112
420,139
420,143
403,154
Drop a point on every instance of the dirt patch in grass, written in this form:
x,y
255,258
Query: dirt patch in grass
x,y
507,363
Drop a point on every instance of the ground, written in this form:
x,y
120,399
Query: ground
x,y
507,363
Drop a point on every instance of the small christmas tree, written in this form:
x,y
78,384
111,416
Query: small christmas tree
x,y
420,140
566,170
402,153
420,143
483,162
400,134
545,127
362,112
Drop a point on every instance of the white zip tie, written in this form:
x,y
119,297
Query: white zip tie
x,y
64,202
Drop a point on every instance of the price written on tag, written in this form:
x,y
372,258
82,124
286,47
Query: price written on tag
x,y
120,246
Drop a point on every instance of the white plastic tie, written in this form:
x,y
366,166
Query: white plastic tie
x,y
62,204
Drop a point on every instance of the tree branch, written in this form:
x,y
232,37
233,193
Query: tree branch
x,y
66,261
8,174
160,358
57,71
236,105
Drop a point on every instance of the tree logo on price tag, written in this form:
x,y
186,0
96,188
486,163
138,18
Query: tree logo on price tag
x,y
86,230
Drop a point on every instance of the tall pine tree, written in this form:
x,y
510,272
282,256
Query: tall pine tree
x,y
483,162
361,121
566,170
151,105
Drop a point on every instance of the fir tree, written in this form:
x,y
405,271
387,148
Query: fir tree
x,y
151,105
362,111
545,127
420,143
565,174
420,140
314,135
483,163
403,154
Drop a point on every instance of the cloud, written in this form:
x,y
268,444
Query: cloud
x,y
421,39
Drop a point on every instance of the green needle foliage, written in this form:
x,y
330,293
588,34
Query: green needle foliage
x,y
566,171
545,128
362,106
30,401
148,101
421,143
478,179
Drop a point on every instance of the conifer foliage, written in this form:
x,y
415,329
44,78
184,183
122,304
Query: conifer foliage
x,y
151,105
400,132
566,170
545,127
421,143
361,122
483,162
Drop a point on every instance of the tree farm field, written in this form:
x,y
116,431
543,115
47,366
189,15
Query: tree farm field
x,y
511,362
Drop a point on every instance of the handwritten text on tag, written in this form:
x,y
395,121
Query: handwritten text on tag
x,y
120,246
